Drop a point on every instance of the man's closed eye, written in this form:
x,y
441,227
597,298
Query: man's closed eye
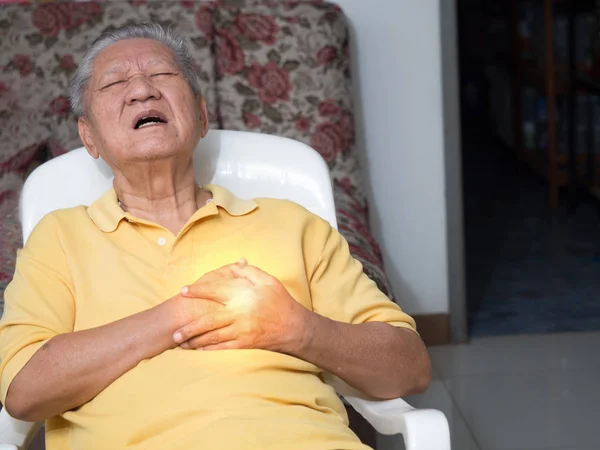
x,y
113,84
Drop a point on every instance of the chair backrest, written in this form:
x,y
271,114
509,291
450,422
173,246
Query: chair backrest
x,y
250,165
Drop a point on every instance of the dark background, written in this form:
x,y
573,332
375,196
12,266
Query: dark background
x,y
531,202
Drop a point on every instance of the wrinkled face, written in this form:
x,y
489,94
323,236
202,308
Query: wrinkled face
x,y
139,106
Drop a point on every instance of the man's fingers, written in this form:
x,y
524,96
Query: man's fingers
x,y
219,291
208,322
223,272
214,337
252,273
208,290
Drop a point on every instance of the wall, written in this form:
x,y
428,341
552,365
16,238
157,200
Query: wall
x,y
455,229
397,70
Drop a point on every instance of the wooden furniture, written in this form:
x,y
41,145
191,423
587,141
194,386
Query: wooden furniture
x,y
555,80
527,72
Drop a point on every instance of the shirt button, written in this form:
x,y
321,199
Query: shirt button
x,y
162,241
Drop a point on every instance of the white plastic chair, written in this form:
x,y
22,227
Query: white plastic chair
x,y
250,165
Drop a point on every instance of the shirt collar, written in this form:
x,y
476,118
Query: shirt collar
x,y
106,212
224,198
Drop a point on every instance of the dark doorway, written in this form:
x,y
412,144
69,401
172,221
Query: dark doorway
x,y
532,261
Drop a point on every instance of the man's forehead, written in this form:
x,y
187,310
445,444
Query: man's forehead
x,y
120,57
123,65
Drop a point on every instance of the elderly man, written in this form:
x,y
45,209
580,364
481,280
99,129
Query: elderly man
x,y
110,303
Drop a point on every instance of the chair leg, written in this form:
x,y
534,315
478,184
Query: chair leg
x,y
39,441
363,429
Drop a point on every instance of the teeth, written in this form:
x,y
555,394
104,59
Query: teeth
x,y
148,123
148,120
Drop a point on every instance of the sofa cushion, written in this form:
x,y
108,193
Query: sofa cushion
x,y
284,69
23,139
10,228
353,224
20,153
42,44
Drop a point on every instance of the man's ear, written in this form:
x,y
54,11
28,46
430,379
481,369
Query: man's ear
x,y
203,116
86,137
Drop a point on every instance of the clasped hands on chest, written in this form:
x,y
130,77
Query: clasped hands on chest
x,y
239,306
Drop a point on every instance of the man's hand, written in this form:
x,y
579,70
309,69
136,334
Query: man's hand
x,y
189,309
258,312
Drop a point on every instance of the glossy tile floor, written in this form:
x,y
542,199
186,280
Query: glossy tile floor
x,y
528,392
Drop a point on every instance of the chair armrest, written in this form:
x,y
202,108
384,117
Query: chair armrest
x,y
16,434
422,429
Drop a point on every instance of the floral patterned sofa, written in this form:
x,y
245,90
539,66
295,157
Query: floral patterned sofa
x,y
280,68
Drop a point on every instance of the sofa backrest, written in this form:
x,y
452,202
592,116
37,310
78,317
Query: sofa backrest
x,y
279,68
41,45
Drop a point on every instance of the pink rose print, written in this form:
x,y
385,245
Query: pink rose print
x,y
66,62
230,58
80,13
49,18
345,184
251,120
326,55
60,105
256,27
302,124
347,125
272,82
329,107
204,20
24,64
328,140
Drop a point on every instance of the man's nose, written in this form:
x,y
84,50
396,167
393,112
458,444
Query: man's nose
x,y
141,89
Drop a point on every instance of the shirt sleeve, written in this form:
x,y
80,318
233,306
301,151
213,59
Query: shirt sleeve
x,y
39,301
341,291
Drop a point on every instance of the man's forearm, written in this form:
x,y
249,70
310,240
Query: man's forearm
x,y
376,358
71,369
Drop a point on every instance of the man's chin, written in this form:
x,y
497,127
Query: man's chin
x,y
156,151
153,152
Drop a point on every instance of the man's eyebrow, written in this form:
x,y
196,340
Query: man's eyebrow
x,y
111,71
154,62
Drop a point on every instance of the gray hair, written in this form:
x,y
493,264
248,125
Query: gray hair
x,y
176,44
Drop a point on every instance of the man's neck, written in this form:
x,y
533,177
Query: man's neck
x,y
167,199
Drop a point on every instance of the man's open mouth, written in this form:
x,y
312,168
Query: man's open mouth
x,y
149,118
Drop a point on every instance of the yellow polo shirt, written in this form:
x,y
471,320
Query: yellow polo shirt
x,y
87,266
